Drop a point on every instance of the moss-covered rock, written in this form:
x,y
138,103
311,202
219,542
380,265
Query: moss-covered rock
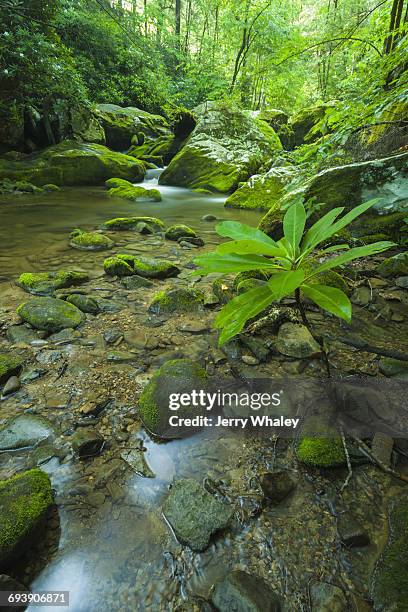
x,y
126,265
251,274
131,223
50,188
18,188
249,283
9,366
305,124
117,182
174,377
24,501
50,314
177,300
321,452
223,289
262,191
157,151
121,124
390,580
90,241
226,147
73,163
135,193
84,303
45,283
175,232
394,266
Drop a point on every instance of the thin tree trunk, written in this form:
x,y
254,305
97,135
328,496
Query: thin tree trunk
x,y
178,20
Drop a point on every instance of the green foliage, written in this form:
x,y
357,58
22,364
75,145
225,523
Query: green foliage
x,y
289,262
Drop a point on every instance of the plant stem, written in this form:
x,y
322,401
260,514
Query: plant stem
x,y
307,324
301,309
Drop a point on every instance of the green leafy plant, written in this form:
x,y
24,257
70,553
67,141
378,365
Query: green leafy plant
x,y
290,262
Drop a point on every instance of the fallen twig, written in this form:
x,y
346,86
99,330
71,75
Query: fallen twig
x,y
364,449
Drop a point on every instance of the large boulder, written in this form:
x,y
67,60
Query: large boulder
x,y
50,314
262,191
194,514
122,124
226,147
73,163
310,123
24,501
125,224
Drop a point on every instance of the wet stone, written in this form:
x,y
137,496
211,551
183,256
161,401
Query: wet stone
x,y
48,357
12,385
328,598
65,336
243,592
135,282
194,514
20,334
137,461
26,430
120,357
296,341
111,336
402,282
277,485
351,533
87,442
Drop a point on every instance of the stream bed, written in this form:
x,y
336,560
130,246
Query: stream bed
x,y
107,543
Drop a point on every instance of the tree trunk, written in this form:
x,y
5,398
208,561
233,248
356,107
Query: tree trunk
x,y
178,20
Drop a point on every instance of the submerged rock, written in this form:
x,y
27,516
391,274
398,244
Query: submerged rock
x,y
194,514
177,300
25,430
226,147
175,376
175,232
45,283
73,163
24,500
390,580
9,365
126,265
245,593
90,241
50,314
87,442
262,191
84,303
295,340
131,223
21,334
328,598
277,485
135,282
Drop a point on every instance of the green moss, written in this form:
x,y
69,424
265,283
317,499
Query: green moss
x,y
175,376
117,182
321,452
175,232
84,303
125,265
9,365
43,283
371,226
251,274
50,314
24,500
50,187
177,300
130,223
223,290
394,266
114,266
135,193
90,241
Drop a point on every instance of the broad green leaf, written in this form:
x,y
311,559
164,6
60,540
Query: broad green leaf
x,y
336,247
236,313
312,236
350,216
329,298
214,262
284,283
363,251
241,231
250,247
294,224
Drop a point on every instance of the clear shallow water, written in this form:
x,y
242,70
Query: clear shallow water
x,y
33,228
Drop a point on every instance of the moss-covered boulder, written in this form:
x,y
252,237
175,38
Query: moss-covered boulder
x,y
50,314
45,283
156,151
126,265
177,300
9,366
226,147
390,580
132,223
262,191
135,193
90,241
8,187
394,266
73,163
122,124
310,123
24,501
174,377
175,232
